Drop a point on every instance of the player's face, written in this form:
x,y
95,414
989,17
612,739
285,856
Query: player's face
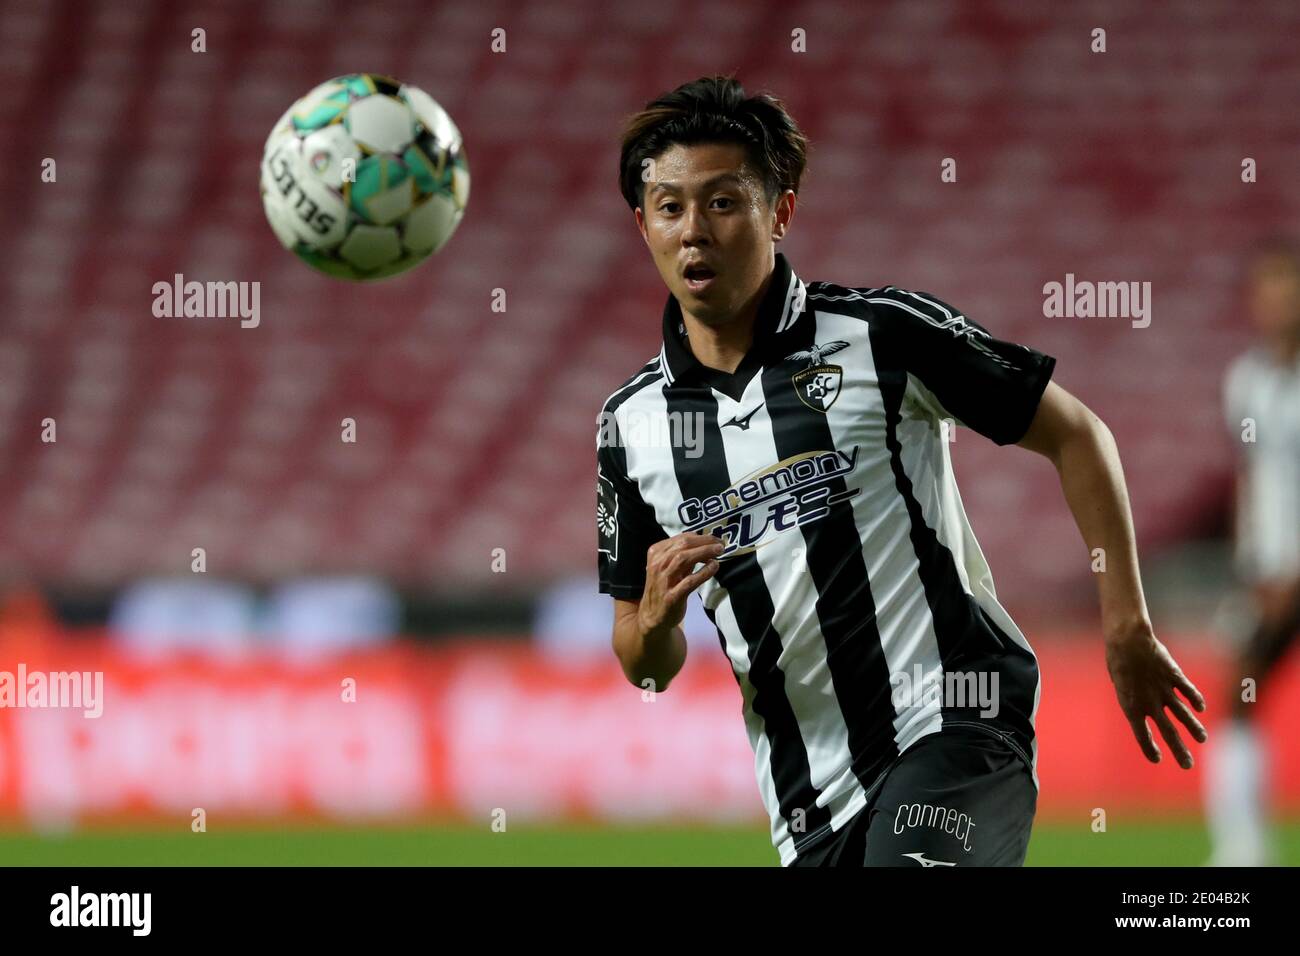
x,y
1275,295
704,210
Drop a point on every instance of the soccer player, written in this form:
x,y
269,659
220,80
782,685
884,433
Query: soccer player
x,y
806,492
1262,406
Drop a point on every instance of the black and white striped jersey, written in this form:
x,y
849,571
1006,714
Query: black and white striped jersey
x,y
1262,403
852,601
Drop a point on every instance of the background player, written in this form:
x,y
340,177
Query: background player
x,y
1262,405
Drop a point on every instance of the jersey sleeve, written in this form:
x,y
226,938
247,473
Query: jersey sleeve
x,y
983,383
1235,404
625,525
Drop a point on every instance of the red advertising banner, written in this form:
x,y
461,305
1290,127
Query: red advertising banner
x,y
465,729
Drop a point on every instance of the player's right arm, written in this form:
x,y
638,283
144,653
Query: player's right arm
x,y
648,637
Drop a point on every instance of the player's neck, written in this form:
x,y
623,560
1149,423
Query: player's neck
x,y
723,347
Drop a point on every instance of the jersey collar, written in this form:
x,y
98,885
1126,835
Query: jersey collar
x,y
782,306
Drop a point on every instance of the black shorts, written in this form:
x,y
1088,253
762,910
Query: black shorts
x,y
960,797
1269,643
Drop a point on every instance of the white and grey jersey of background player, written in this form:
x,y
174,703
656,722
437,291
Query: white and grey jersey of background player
x,y
1259,389
825,470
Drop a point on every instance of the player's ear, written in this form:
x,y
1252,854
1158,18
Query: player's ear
x,y
782,215
640,224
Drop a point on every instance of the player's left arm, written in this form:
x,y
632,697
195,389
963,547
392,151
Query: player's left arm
x,y
1146,677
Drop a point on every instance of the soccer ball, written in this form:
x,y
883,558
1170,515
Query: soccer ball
x,y
364,177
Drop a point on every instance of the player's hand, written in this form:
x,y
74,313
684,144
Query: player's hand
x,y
670,578
1146,679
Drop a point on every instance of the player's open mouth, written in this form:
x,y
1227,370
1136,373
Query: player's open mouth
x,y
698,278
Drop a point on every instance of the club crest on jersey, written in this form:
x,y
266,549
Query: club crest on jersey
x,y
816,355
818,385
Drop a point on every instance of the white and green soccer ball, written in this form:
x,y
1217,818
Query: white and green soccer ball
x,y
364,177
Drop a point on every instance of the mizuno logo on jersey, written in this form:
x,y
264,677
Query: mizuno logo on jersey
x,y
742,423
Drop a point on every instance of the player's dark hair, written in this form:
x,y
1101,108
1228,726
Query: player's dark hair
x,y
715,109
